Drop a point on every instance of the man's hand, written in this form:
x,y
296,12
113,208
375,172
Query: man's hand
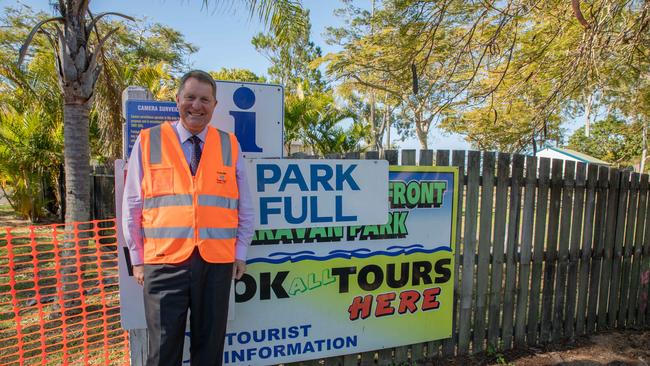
x,y
238,269
138,274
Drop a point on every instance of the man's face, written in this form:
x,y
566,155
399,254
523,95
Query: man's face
x,y
195,103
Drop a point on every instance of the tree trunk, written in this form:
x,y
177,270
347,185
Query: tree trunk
x,y
421,129
76,157
373,126
388,135
590,101
422,137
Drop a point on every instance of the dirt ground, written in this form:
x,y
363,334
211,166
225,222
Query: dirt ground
x,y
7,217
609,348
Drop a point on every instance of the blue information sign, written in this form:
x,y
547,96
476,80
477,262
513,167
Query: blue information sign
x,y
142,114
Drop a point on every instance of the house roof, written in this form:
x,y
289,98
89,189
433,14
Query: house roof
x,y
577,155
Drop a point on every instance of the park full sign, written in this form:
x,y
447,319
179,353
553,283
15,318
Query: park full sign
x,y
315,193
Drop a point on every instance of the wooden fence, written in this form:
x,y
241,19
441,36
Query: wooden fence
x,y
547,250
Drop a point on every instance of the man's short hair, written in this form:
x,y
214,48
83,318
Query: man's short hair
x,y
201,76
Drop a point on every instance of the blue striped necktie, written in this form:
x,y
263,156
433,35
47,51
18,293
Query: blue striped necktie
x,y
196,154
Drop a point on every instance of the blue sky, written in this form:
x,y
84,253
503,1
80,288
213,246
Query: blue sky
x,y
223,35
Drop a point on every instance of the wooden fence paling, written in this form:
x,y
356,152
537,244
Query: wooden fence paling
x,y
447,349
538,250
494,312
385,355
512,240
551,251
391,156
599,243
574,251
402,353
368,358
418,350
643,316
426,157
457,159
484,244
563,250
585,256
625,251
408,157
632,319
610,236
371,155
469,249
432,348
526,251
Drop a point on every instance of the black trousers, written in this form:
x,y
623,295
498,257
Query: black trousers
x,y
169,291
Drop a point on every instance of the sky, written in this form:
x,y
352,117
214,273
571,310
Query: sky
x,y
223,35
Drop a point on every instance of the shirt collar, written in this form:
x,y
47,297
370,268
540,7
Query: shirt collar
x,y
184,134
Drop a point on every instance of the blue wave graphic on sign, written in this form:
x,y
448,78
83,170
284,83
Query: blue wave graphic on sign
x,y
392,251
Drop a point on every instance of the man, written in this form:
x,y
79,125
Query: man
x,y
188,221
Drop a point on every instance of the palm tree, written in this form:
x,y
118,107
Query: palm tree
x,y
78,67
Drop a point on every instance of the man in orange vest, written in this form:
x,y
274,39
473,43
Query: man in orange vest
x,y
188,221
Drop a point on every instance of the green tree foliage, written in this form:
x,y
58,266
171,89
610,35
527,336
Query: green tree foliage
x,y
31,115
373,107
611,140
77,46
318,123
30,153
130,57
284,17
507,75
424,54
235,74
311,114
290,59
138,54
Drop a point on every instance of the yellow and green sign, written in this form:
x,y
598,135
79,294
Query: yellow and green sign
x,y
318,292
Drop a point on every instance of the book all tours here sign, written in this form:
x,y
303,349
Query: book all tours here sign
x,y
314,290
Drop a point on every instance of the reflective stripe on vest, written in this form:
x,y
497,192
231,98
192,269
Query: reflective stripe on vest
x,y
188,233
218,201
155,146
226,150
168,200
217,233
168,232
186,200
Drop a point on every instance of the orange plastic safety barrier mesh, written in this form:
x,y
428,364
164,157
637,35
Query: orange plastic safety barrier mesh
x,y
59,297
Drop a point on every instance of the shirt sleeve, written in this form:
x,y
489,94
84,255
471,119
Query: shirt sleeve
x,y
246,227
132,205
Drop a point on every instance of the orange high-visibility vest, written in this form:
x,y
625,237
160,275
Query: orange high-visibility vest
x,y
181,211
